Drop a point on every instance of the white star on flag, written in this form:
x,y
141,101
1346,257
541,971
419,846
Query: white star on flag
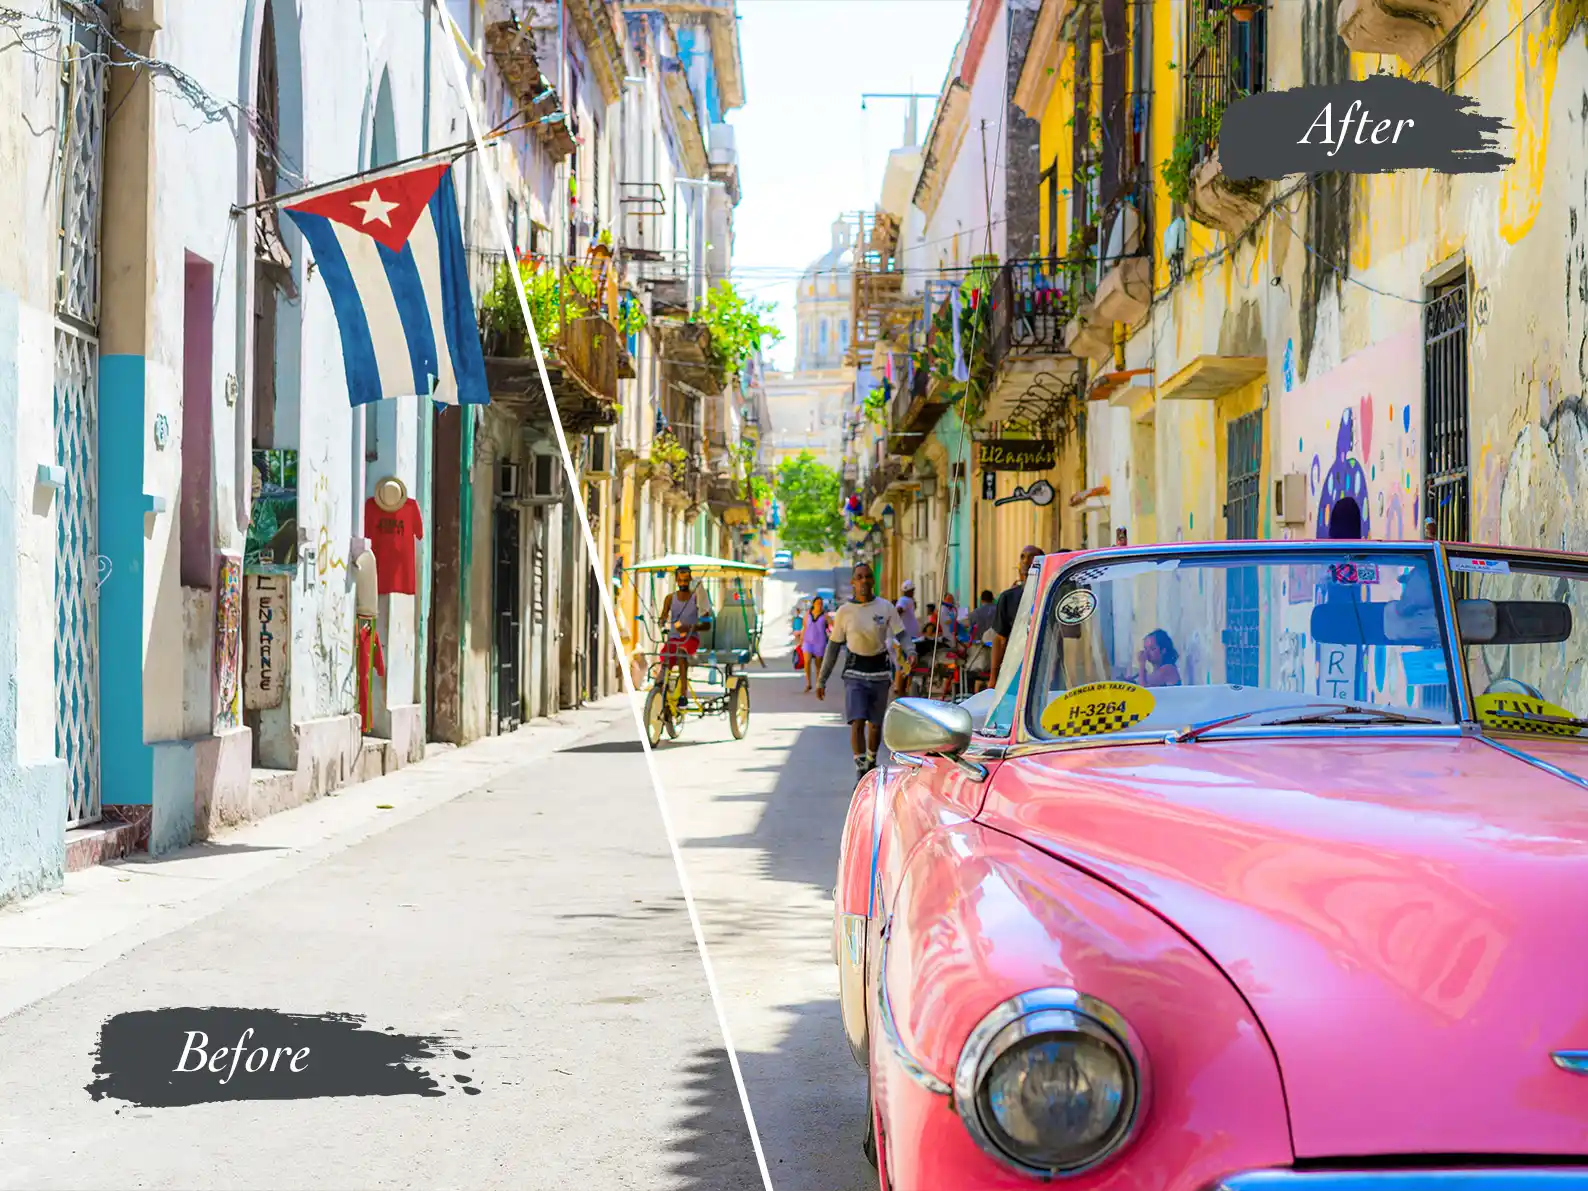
x,y
376,208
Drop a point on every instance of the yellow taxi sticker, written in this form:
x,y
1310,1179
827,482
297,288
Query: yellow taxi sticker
x,y
1512,712
1097,709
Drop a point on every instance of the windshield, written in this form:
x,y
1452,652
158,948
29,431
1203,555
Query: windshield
x,y
1159,644
1523,632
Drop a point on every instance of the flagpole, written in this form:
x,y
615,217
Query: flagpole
x,y
461,149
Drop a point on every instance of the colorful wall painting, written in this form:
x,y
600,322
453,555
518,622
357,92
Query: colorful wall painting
x,y
229,644
272,547
1357,431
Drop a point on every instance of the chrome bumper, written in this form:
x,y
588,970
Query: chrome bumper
x,y
1527,1179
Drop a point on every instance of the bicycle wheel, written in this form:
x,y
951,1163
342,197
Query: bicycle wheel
x,y
655,715
739,709
672,714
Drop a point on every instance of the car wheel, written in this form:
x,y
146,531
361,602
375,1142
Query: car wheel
x,y
655,716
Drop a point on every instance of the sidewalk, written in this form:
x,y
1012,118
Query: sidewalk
x,y
101,913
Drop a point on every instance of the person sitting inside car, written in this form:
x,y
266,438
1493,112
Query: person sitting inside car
x,y
1412,619
1157,661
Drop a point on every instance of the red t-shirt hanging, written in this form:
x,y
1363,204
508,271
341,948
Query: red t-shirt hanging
x,y
391,538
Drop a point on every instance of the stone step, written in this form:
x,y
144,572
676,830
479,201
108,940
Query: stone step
x,y
99,842
376,758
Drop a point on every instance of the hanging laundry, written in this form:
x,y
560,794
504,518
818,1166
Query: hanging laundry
x,y
961,369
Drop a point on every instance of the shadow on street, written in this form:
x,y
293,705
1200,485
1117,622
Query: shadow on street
x,y
712,1151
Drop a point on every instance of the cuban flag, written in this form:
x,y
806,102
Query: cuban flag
x,y
391,252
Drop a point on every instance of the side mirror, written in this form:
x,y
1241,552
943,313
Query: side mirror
x,y
926,727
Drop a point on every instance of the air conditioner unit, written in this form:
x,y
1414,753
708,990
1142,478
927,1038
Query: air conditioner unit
x,y
598,463
507,480
546,481
1290,499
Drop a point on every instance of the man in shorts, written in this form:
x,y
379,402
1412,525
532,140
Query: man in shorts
x,y
684,611
864,626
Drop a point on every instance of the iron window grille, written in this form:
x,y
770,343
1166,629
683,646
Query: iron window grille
x,y
1228,60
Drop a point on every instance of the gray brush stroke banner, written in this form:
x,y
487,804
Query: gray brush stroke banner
x,y
262,1054
1262,135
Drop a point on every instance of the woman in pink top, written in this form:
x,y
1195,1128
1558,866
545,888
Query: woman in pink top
x,y
814,639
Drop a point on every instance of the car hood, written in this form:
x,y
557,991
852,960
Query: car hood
x,y
1408,919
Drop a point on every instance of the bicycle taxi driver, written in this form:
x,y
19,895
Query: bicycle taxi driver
x,y
684,611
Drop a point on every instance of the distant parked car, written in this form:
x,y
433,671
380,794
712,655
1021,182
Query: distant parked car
x,y
783,560
1259,867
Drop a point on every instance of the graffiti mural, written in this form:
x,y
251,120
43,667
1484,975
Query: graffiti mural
x,y
1358,433
229,644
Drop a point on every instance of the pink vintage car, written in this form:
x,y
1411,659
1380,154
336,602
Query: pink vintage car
x,y
1264,866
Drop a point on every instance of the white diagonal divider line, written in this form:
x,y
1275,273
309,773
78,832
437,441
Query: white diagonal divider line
x,y
610,612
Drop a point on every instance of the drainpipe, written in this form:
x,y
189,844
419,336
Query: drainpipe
x,y
426,416
466,485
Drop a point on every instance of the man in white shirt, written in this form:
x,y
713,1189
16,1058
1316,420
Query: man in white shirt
x,y
864,627
906,607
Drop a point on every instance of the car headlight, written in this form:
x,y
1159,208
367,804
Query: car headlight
x,y
1051,1082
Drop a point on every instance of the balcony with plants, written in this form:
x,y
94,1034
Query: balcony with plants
x,y
949,361
1226,60
572,312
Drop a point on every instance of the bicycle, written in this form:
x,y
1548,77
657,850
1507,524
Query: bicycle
x,y
664,712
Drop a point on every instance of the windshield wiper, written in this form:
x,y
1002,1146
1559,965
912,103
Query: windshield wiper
x,y
1194,731
1378,716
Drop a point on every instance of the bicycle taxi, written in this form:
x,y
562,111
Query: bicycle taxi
x,y
729,638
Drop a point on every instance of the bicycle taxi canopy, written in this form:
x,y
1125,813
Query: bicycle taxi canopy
x,y
734,636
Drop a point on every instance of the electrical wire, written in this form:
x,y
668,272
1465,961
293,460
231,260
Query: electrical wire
x,y
43,38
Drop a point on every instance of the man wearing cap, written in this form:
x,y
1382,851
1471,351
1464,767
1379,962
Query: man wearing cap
x,y
912,628
683,611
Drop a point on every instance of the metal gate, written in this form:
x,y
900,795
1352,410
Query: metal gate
x,y
76,410
509,637
1445,450
1242,592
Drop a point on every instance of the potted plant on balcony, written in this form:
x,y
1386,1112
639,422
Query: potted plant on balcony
x,y
502,317
667,455
738,328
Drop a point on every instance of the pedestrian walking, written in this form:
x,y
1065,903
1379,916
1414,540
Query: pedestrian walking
x,y
814,640
798,625
978,661
906,607
1008,604
865,627
981,619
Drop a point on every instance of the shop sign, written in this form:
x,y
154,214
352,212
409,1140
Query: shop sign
x,y
1017,454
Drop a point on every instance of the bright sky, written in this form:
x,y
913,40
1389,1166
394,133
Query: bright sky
x,y
807,152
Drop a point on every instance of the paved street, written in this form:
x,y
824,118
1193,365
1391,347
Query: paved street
x,y
518,896
523,901
759,820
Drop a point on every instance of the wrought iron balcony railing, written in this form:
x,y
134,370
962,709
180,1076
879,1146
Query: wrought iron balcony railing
x,y
1230,61
1032,302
